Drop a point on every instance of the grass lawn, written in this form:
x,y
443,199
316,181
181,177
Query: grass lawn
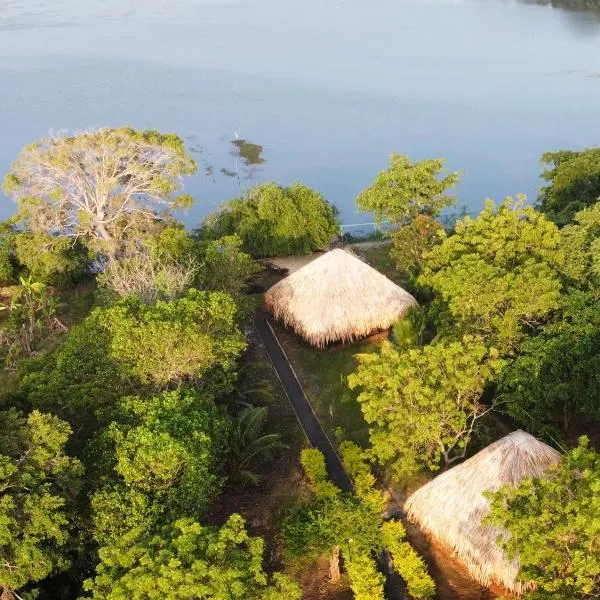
x,y
323,374
377,254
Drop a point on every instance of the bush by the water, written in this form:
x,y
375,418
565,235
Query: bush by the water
x,y
273,220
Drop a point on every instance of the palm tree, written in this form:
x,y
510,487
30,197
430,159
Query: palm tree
x,y
249,447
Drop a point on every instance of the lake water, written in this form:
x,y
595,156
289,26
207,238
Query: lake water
x,y
327,87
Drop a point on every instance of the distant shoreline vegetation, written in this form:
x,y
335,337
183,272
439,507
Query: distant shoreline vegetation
x,y
574,5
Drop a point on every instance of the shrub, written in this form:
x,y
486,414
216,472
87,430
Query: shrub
x,y
273,220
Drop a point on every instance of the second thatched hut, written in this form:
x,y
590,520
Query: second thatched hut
x,y
452,506
337,298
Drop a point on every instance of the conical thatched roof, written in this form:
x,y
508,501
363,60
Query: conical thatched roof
x,y
337,297
451,506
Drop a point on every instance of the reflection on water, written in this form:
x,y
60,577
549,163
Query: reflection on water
x,y
248,152
250,157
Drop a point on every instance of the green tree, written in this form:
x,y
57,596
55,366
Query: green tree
x,y
38,483
226,267
412,241
555,377
573,183
78,380
8,270
554,527
188,560
498,273
171,446
170,342
408,189
581,243
54,260
102,187
273,220
161,457
334,521
423,404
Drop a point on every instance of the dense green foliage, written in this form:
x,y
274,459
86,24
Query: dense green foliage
x,y
581,244
406,189
173,341
170,448
498,273
225,267
555,377
422,404
573,183
554,527
38,483
333,519
188,560
412,241
7,253
78,379
407,563
272,220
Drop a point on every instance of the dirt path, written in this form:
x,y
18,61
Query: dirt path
x,y
306,415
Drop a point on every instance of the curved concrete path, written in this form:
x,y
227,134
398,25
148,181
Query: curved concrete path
x,y
304,411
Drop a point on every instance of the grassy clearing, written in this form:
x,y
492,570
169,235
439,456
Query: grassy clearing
x,y
377,255
323,375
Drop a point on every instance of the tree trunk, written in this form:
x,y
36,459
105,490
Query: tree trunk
x,y
334,565
101,228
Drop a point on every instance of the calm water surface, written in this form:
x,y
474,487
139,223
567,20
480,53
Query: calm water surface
x,y
327,87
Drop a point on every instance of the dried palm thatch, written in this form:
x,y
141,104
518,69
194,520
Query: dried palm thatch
x,y
337,297
451,506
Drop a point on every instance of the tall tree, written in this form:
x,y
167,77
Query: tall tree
x,y
38,483
408,189
573,183
273,220
498,273
101,186
555,377
188,560
554,529
423,404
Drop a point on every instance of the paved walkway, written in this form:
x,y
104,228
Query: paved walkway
x,y
306,415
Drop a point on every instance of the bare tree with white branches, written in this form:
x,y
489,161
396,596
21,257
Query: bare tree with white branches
x,y
102,186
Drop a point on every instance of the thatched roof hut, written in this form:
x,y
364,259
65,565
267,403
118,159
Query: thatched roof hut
x,y
337,297
451,506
